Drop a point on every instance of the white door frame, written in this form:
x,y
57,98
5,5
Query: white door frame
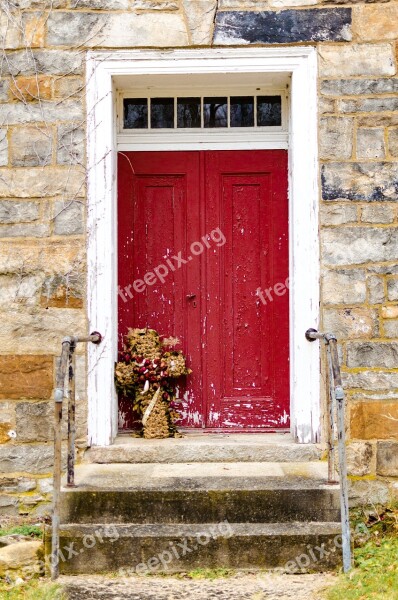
x,y
102,66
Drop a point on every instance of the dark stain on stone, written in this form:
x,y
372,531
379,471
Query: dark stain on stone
x,y
283,27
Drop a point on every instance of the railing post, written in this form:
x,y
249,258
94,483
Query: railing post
x,y
71,416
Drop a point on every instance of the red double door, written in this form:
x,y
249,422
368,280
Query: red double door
x,y
203,256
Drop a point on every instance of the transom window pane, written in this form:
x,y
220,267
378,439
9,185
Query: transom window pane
x,y
135,113
215,112
162,113
188,112
208,112
242,111
269,111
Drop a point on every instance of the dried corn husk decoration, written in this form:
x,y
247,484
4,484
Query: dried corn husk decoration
x,y
145,373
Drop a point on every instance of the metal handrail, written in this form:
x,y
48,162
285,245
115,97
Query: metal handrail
x,y
336,404
66,366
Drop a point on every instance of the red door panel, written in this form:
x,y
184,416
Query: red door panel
x,y
236,346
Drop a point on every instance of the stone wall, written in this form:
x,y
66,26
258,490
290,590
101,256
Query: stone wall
x,y
42,202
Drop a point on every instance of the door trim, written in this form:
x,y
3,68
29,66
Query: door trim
x,y
101,100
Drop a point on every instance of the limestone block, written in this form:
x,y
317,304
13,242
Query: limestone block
x,y
356,60
371,380
374,419
370,143
50,256
20,289
65,87
282,27
70,144
337,214
372,354
4,87
351,323
389,312
356,245
259,4
31,146
387,459
156,4
38,182
10,33
392,289
368,105
391,328
365,492
393,142
40,3
17,484
3,147
376,22
360,181
355,87
36,230
13,211
34,421
378,120
377,213
375,289
68,218
26,376
8,506
326,105
335,137
43,112
343,286
51,62
19,556
200,18
36,458
102,4
63,291
31,89
288,3
359,456
109,30
45,485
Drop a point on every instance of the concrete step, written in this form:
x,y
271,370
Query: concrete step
x,y
268,447
132,548
200,493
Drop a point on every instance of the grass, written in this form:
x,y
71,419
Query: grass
x,y
36,589
33,531
375,572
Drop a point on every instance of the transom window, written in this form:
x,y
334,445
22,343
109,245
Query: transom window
x,y
202,112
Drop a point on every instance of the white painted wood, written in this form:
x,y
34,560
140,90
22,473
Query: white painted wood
x,y
102,67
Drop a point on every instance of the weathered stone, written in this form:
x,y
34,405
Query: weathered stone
x,y
392,289
224,4
102,4
393,142
360,181
19,556
34,421
291,3
68,218
38,182
123,30
5,432
374,419
36,230
387,459
70,144
391,328
356,245
50,256
66,87
63,291
337,214
39,3
10,33
286,26
368,105
29,89
389,312
375,289
26,376
30,326
376,213
51,62
3,147
17,484
326,105
344,286
200,18
335,137
34,26
354,323
370,143
28,458
21,288
13,211
376,22
356,87
356,60
31,146
156,4
370,380
46,485
359,456
372,354
4,87
48,112
28,501
365,492
8,506
378,120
